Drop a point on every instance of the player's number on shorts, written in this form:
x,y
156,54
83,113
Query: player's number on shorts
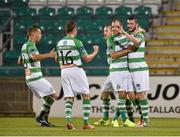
x,y
65,59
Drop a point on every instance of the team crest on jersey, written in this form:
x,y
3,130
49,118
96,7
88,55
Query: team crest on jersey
x,y
64,42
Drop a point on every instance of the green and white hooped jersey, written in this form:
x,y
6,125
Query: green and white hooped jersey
x,y
32,67
117,43
69,51
109,59
136,59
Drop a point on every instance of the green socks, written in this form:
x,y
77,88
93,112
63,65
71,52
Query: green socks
x,y
86,110
68,109
45,109
129,109
144,109
122,108
105,108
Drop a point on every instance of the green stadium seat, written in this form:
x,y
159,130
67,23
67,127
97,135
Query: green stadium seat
x,y
19,28
91,39
123,11
25,12
59,25
22,25
4,3
100,23
84,24
10,57
98,39
47,43
46,13
19,40
87,39
57,38
48,39
104,12
19,3
143,11
65,13
46,25
144,15
144,22
84,12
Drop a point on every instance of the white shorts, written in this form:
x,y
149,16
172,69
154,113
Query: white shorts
x,y
140,80
41,87
74,81
121,81
107,85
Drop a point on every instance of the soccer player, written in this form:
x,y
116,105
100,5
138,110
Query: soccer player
x,y
119,73
30,58
107,86
74,80
138,67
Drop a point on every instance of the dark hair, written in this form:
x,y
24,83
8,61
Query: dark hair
x,y
133,17
107,25
117,19
70,25
32,29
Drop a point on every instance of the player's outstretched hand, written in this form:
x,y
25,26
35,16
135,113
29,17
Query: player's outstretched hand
x,y
52,53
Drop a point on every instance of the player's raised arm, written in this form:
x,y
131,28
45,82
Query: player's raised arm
x,y
89,57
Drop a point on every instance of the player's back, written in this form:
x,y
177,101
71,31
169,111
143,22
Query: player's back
x,y
69,51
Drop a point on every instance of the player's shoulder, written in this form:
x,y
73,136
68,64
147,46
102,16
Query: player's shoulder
x,y
111,38
71,38
30,44
140,33
77,41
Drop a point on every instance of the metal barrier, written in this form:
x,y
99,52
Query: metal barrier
x,y
4,31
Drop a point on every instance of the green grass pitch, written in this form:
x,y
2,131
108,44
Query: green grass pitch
x,y
18,126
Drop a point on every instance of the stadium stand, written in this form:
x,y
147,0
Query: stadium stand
x,y
162,28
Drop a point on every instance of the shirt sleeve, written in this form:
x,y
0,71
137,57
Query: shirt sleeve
x,y
110,45
140,36
80,47
32,49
